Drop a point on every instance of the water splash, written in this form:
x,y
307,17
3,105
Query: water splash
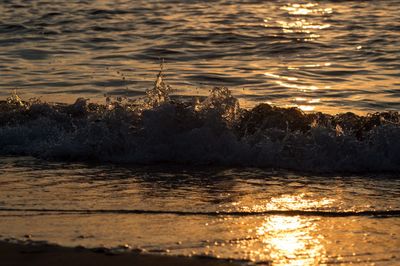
x,y
159,94
214,130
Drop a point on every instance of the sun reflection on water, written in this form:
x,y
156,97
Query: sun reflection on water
x,y
293,240
306,9
301,20
301,25
301,201
305,23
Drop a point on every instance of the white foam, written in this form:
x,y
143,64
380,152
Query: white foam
x,y
214,131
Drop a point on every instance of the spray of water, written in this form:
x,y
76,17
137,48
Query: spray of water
x,y
213,130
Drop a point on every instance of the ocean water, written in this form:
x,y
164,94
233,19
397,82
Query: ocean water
x,y
208,157
330,56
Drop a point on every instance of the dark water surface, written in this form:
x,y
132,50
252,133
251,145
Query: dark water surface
x,y
328,56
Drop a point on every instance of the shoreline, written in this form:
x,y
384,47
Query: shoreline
x,y
43,254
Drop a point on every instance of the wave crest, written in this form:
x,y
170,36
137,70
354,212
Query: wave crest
x,y
213,130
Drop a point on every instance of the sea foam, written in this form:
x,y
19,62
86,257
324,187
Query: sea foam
x,y
213,130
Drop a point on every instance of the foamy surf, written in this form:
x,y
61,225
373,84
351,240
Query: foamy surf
x,y
213,130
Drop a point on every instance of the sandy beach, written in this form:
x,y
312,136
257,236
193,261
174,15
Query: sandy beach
x,y
13,254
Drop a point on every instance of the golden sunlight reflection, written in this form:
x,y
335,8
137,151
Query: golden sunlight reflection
x,y
304,23
316,100
279,81
306,108
301,201
297,86
278,76
301,25
300,99
293,240
296,24
306,9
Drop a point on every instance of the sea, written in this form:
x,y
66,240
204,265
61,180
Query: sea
x,y
263,132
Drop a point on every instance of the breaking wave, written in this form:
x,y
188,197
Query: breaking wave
x,y
211,130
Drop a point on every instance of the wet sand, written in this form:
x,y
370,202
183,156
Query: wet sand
x,y
13,254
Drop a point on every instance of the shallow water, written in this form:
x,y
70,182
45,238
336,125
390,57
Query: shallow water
x,y
326,56
239,213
